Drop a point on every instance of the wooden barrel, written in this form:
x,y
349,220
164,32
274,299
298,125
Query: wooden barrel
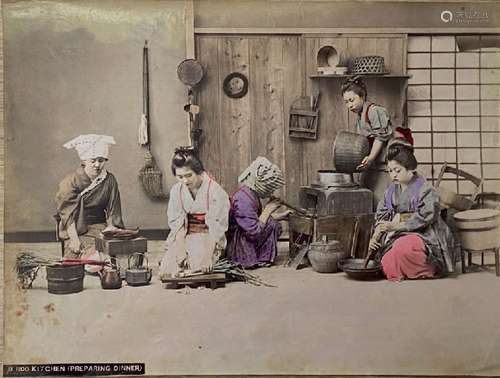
x,y
65,279
324,256
349,149
479,229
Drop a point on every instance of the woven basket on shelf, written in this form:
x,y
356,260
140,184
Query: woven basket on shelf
x,y
372,64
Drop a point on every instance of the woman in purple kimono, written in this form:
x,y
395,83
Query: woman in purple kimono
x,y
253,229
88,200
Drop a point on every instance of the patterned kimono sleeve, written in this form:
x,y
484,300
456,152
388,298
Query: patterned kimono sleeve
x,y
380,123
427,210
217,217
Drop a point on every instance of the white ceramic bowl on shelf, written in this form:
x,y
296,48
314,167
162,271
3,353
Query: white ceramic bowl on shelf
x,y
326,70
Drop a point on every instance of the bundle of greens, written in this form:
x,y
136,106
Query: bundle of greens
x,y
234,272
27,266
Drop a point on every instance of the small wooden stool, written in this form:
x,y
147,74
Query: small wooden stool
x,y
211,280
120,250
479,233
469,252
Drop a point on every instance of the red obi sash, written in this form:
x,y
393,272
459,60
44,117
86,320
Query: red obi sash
x,y
196,221
196,224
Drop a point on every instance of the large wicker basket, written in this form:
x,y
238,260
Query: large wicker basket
x,y
349,149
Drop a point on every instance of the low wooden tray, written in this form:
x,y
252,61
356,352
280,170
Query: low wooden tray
x,y
212,280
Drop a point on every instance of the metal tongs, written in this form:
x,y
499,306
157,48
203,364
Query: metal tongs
x,y
296,209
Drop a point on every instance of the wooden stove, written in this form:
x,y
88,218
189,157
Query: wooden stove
x,y
327,200
338,209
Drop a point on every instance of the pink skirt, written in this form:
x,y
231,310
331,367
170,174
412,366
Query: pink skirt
x,y
407,259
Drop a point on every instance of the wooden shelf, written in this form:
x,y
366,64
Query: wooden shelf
x,y
390,76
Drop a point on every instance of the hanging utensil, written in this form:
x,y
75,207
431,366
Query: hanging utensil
x,y
150,175
143,136
190,73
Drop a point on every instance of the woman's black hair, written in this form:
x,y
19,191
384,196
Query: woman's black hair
x,y
357,85
186,157
403,154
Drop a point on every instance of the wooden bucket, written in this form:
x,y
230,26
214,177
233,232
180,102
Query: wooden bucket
x,y
479,229
349,149
65,279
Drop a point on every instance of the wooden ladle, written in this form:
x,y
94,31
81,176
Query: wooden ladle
x,y
377,235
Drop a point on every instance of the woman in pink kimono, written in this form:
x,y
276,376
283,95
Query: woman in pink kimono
x,y
88,200
415,242
197,213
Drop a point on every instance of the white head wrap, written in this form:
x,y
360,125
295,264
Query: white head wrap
x,y
91,146
262,176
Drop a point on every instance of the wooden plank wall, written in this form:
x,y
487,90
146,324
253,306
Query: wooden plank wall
x,y
236,131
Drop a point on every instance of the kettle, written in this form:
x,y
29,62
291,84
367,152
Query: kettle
x,y
110,278
138,275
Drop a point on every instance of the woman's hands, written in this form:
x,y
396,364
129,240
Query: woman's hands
x,y
206,264
273,205
368,160
75,245
382,228
365,163
207,261
270,208
374,245
390,226
282,215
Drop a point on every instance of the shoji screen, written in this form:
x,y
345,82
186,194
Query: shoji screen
x,y
454,109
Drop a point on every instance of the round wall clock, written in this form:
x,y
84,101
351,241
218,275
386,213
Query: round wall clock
x,y
235,85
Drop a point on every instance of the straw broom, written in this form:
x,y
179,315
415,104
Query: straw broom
x,y
150,175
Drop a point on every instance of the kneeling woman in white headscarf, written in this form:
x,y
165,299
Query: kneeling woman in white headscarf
x,y
197,213
88,200
253,230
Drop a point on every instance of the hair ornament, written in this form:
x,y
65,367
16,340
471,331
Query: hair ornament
x,y
355,80
184,150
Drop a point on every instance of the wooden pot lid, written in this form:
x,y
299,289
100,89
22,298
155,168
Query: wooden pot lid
x,y
477,215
